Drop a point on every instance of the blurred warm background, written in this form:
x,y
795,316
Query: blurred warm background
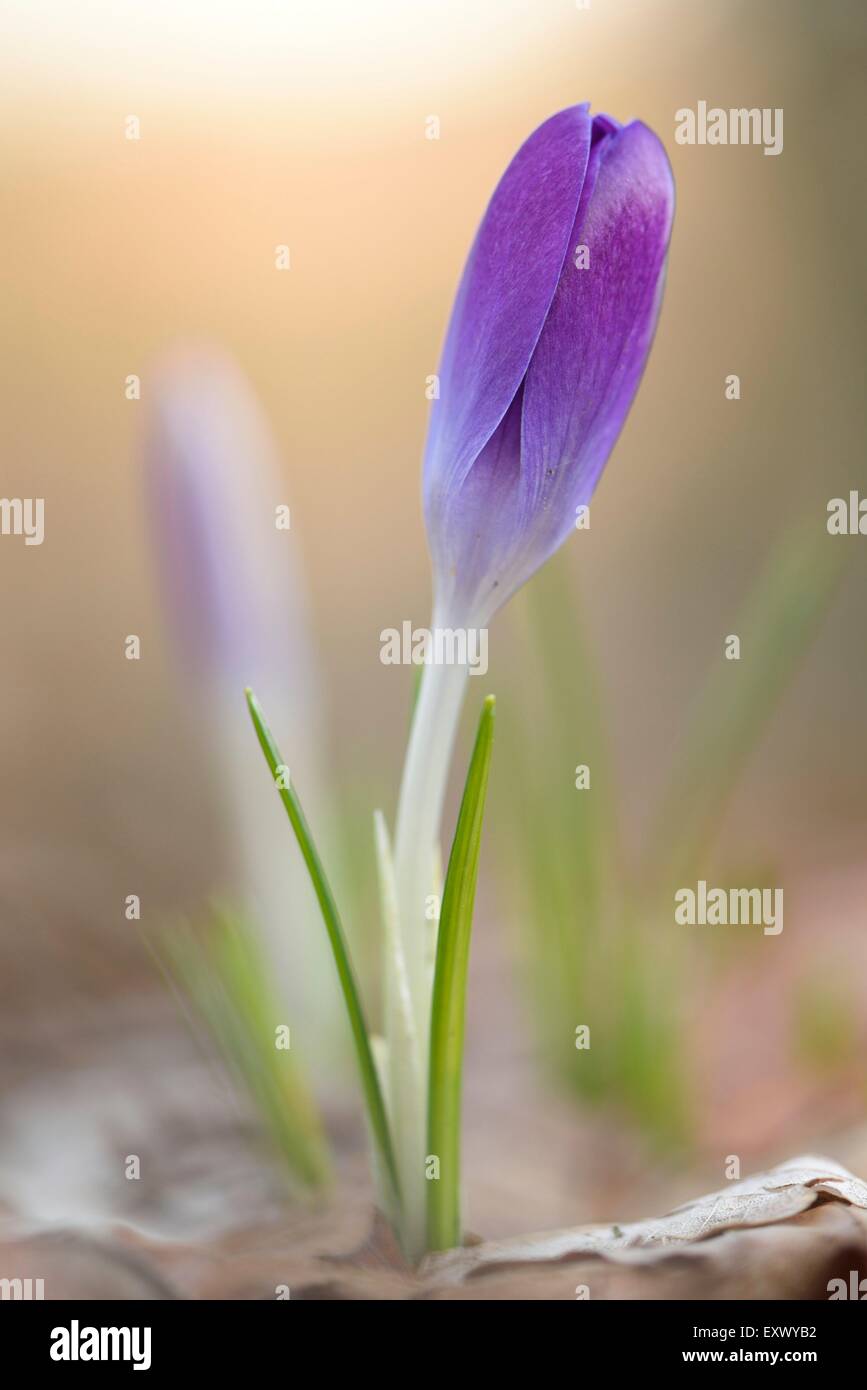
x,y
303,124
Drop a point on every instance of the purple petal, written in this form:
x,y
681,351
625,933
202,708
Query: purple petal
x,y
592,351
477,526
505,294
516,502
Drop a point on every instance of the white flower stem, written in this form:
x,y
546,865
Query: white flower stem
x,y
422,791
419,812
403,1083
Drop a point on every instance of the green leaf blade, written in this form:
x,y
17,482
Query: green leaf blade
x,y
448,1007
361,1035
217,967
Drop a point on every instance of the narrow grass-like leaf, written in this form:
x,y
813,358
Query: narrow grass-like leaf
x,y
373,1096
218,967
252,1019
448,1007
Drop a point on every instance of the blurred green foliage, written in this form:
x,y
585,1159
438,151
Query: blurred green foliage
x,y
218,967
825,1024
597,933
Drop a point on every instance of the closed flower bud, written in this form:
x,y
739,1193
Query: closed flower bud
x,y
547,342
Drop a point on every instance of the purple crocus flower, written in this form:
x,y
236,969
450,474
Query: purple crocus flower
x,y
541,363
542,358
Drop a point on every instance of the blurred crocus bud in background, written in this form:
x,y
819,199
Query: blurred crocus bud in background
x,y
233,592
546,345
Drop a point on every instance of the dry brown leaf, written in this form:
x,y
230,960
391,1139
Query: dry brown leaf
x,y
780,1234
792,1259
760,1200
74,1265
